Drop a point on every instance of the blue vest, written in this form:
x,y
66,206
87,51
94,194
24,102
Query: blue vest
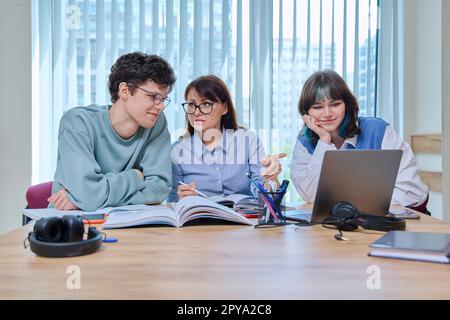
x,y
371,136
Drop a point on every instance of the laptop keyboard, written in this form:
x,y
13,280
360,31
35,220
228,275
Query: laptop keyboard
x,y
302,215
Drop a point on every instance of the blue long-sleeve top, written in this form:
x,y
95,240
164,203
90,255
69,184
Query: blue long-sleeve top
x,y
220,170
96,166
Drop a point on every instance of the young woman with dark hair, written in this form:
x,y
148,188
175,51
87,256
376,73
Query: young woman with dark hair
x,y
330,113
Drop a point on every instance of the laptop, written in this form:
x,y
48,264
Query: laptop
x,y
365,178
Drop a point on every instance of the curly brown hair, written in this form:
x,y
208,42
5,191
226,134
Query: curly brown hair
x,y
138,68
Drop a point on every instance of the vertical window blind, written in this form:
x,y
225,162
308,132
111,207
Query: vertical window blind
x,y
263,49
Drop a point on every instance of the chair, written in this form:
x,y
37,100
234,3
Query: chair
x,y
428,144
37,196
423,207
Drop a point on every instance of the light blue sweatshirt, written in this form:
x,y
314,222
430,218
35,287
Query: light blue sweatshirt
x,y
96,166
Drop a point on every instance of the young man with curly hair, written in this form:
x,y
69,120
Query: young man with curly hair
x,y
118,154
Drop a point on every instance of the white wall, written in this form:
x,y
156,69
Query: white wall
x,y
15,128
423,85
446,108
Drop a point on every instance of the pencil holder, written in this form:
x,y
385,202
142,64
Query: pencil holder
x,y
269,208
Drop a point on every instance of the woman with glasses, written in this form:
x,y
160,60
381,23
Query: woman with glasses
x,y
215,154
330,112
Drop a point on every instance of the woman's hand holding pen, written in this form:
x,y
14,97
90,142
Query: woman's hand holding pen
x,y
272,166
314,125
186,190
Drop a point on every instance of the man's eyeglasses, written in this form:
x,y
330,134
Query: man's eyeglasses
x,y
205,107
157,98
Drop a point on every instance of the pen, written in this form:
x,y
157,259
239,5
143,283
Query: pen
x,y
282,191
193,189
270,210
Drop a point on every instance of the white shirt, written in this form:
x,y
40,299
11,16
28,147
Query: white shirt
x,y
409,188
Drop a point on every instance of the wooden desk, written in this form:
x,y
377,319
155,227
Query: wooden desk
x,y
224,262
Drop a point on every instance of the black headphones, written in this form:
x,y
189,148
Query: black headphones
x,y
346,217
58,237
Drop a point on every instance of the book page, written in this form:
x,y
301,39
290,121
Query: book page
x,y
150,215
195,207
230,200
236,197
217,198
36,214
130,207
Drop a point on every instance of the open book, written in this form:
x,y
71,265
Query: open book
x,y
185,210
236,201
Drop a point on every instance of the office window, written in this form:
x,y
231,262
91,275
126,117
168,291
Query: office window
x,y
76,41
313,35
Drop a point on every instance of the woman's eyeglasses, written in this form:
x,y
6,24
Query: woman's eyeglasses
x,y
205,107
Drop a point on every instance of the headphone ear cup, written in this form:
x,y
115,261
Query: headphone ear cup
x,y
49,229
344,210
74,228
345,214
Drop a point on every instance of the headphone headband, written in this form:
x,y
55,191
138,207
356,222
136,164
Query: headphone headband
x,y
347,217
381,223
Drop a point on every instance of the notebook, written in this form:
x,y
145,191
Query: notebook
x,y
177,215
36,214
422,246
236,201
